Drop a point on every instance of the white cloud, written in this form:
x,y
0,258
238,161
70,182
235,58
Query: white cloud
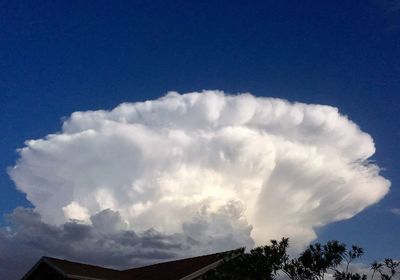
x,y
207,165
74,211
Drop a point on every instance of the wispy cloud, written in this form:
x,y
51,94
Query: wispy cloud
x,y
395,211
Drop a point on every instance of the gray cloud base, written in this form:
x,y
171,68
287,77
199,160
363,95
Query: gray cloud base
x,y
102,242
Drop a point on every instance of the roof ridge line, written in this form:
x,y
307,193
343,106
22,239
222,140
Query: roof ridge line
x,y
181,259
79,263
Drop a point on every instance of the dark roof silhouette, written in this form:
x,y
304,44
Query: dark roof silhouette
x,y
174,269
83,270
184,269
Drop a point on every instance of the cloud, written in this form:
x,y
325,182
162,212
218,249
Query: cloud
x,y
103,242
213,168
395,211
21,246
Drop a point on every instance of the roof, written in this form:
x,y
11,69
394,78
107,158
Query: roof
x,y
184,269
174,269
81,270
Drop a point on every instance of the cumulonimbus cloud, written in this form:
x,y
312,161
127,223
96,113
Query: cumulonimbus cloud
x,y
205,165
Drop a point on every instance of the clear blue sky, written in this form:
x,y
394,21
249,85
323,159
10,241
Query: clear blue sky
x,y
57,57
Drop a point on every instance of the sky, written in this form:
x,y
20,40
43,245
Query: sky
x,y
217,109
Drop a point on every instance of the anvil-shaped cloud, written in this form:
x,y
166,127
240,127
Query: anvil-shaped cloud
x,y
204,165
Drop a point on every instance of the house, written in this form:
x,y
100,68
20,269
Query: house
x,y
48,268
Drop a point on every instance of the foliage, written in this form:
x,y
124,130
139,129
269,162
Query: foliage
x,y
315,263
387,270
261,263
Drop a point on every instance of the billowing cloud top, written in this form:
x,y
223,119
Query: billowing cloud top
x,y
207,166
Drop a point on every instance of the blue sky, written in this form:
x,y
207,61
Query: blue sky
x,y
60,57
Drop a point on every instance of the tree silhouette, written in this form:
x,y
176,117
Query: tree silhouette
x,y
318,261
261,263
387,269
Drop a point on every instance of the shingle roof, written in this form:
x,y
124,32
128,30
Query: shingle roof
x,y
173,270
